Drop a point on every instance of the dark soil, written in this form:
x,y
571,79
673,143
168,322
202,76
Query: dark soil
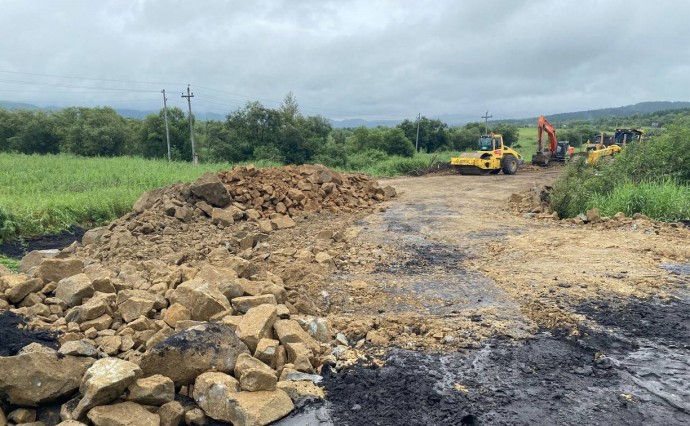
x,y
13,338
667,323
548,380
18,248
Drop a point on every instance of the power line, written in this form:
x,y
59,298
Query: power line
x,y
85,78
40,83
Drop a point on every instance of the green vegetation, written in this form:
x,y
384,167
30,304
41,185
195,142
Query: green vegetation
x,y
48,193
11,264
45,194
652,178
49,184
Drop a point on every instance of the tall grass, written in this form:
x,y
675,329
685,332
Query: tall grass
x,y
396,166
652,177
50,193
666,201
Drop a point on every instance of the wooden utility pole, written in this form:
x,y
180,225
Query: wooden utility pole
x,y
486,118
416,143
167,129
189,97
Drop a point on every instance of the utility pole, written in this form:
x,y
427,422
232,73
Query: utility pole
x,y
167,129
486,118
416,143
189,97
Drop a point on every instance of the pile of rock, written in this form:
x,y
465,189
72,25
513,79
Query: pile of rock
x,y
271,197
237,347
161,320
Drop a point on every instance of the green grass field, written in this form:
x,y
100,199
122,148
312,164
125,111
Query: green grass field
x,y
47,194
527,142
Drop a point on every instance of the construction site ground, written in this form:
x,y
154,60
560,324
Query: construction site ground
x,y
493,316
457,306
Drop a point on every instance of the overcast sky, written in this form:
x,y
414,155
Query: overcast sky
x,y
367,59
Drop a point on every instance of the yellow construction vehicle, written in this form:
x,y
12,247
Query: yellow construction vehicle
x,y
608,146
492,157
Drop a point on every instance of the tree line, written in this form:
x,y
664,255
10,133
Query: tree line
x,y
250,133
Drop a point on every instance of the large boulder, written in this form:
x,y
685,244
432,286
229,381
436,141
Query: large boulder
x,y
35,378
185,355
52,269
210,188
203,300
124,414
217,395
105,381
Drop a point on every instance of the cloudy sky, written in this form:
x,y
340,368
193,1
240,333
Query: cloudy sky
x,y
368,59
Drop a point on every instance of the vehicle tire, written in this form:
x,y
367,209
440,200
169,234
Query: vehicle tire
x,y
510,165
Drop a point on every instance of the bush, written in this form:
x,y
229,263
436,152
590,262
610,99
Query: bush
x,y
652,178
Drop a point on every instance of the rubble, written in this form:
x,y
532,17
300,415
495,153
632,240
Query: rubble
x,y
177,298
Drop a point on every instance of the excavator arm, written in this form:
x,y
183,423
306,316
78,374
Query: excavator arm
x,y
545,126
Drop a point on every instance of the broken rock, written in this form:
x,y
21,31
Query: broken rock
x,y
201,298
254,375
52,269
210,188
105,381
123,414
245,303
153,390
35,378
72,290
185,355
257,324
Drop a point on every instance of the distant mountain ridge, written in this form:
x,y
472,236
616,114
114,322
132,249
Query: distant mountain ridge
x,y
450,119
618,112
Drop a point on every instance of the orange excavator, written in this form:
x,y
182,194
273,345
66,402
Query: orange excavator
x,y
556,150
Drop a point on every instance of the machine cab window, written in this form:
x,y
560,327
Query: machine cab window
x,y
486,143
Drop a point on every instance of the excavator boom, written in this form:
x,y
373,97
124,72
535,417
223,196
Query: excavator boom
x,y
555,150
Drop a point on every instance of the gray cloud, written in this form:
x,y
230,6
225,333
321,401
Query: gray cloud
x,y
387,59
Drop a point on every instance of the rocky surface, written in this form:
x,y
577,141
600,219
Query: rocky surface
x,y
179,301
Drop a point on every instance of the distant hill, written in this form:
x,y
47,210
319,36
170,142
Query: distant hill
x,y
619,112
358,122
17,105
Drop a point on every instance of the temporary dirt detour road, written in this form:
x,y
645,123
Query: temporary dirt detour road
x,y
496,317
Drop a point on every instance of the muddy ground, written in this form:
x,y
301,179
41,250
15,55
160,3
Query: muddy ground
x,y
482,314
495,317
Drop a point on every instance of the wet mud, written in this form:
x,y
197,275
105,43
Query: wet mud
x,y
16,249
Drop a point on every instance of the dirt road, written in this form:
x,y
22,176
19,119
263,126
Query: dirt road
x,y
501,318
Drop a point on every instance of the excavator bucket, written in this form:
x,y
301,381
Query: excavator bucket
x,y
540,159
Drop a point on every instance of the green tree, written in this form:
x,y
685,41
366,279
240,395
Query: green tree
x,y
396,143
93,131
35,132
432,133
152,141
